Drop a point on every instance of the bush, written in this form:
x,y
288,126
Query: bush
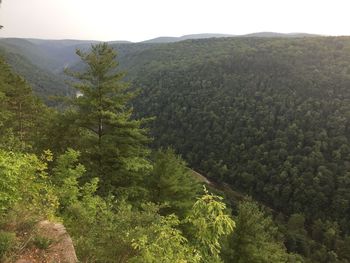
x,y
7,242
42,242
23,180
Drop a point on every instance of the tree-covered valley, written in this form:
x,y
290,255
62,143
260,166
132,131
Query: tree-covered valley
x,y
269,117
265,118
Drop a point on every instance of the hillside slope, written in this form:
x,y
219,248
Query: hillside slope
x,y
271,117
228,97
45,84
268,116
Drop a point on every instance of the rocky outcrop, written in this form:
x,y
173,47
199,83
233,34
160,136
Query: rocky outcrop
x,y
60,248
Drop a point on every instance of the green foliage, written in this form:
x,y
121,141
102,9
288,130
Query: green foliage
x,y
112,144
21,113
330,245
256,237
269,117
7,242
103,232
171,182
9,183
210,223
29,61
42,242
65,176
162,242
102,235
296,223
23,180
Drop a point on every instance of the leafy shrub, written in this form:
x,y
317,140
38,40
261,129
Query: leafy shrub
x,y
42,242
23,180
7,242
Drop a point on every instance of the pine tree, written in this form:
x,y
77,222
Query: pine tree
x,y
112,143
255,238
21,113
5,114
172,182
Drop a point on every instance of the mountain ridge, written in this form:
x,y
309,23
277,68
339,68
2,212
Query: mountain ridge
x,y
166,39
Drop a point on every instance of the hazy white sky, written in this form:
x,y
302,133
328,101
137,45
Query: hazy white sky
x,y
137,20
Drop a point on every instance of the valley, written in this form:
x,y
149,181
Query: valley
x,y
266,114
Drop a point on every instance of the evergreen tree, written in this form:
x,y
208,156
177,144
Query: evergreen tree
x,y
255,238
21,113
111,142
173,183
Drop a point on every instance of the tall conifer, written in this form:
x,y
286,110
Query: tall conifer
x,y
113,144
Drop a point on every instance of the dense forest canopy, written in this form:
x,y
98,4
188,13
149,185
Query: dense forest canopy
x,y
268,117
271,117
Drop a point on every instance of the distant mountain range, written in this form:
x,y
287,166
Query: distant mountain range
x,y
53,55
163,39
284,35
185,37
35,58
208,35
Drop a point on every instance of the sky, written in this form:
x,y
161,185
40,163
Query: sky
x,y
137,20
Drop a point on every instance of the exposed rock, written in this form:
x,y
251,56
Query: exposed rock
x,y
60,249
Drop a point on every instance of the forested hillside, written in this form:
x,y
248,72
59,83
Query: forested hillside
x,y
37,67
119,200
267,116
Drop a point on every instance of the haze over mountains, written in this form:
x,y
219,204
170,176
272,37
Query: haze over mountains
x,y
61,49
169,39
208,35
50,57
